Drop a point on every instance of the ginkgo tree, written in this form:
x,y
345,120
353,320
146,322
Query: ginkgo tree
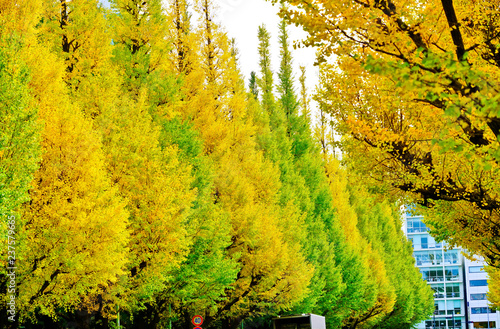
x,y
299,190
155,185
269,278
20,147
415,86
358,294
72,232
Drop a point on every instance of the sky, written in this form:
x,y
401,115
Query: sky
x,y
241,19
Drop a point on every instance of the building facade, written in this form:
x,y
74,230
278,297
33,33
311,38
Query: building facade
x,y
480,314
460,285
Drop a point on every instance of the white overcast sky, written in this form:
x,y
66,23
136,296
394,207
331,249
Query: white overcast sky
x,y
241,19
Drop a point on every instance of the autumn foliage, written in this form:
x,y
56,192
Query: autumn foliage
x,y
151,184
413,88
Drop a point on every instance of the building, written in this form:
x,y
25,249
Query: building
x,y
460,285
480,315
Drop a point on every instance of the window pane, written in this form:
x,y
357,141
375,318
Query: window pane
x,y
478,283
451,274
452,290
454,307
476,269
451,257
457,324
481,310
440,307
438,290
478,296
492,324
475,310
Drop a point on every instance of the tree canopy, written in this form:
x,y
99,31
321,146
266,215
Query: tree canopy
x,y
415,87
149,184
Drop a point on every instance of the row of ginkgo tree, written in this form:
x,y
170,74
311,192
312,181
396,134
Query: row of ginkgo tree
x,y
414,92
149,183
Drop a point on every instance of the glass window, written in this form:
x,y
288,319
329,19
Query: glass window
x,y
439,258
452,290
478,283
439,307
454,325
438,290
476,269
426,258
454,307
415,225
425,243
451,257
481,310
409,226
451,274
478,296
422,258
437,324
432,275
491,324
